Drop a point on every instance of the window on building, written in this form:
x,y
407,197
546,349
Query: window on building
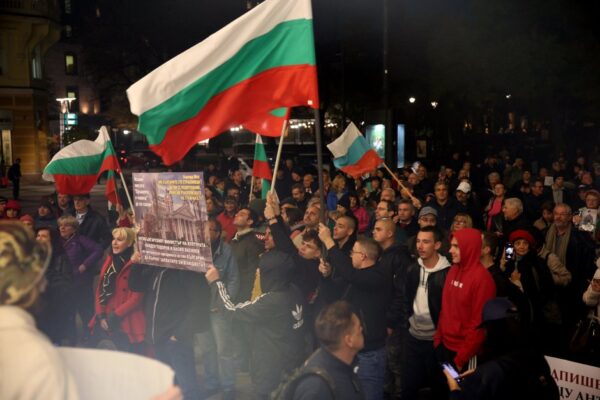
x,y
68,31
36,63
68,7
2,56
70,64
72,92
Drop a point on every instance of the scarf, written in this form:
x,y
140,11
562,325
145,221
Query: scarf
x,y
560,250
109,279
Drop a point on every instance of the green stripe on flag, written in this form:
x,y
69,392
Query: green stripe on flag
x,y
278,47
266,186
83,165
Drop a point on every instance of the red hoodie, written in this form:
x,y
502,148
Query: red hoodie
x,y
468,287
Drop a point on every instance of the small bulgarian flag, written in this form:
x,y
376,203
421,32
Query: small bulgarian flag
x,y
75,169
261,168
261,62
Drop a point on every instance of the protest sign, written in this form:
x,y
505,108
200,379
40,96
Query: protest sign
x,y
170,212
105,374
575,381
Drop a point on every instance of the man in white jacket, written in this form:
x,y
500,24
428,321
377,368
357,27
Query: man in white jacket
x,y
416,310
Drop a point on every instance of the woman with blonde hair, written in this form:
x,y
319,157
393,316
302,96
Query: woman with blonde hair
x,y
461,220
119,311
338,189
31,366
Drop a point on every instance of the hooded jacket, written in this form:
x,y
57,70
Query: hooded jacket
x,y
467,288
424,312
277,317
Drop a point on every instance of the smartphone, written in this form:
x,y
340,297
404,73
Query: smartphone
x,y
509,251
452,371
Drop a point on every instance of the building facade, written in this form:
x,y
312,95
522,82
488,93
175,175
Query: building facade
x,y
28,28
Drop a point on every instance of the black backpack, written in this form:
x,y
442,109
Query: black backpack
x,y
287,389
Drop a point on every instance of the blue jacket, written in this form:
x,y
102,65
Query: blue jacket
x,y
224,261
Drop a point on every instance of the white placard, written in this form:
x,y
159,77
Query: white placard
x,y
106,374
575,381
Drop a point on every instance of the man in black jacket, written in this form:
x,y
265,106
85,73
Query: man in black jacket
x,y
176,307
277,318
366,283
415,312
91,224
340,333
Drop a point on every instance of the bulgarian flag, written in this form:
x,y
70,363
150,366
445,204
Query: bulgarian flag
x,y
240,75
261,168
75,169
353,154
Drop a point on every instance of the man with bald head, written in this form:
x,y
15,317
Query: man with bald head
x,y
344,233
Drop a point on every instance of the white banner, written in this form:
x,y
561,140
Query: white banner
x,y
575,381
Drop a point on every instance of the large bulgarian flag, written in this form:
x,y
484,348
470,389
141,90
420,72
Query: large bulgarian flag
x,y
75,169
261,168
353,154
241,75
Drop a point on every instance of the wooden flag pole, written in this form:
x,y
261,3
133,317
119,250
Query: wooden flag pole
x,y
399,182
126,191
250,196
284,131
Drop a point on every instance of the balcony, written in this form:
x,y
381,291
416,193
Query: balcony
x,y
34,8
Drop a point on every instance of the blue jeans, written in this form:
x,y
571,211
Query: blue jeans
x,y
218,354
371,372
180,357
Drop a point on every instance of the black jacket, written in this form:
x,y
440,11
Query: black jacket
x,y
347,384
446,213
246,249
366,290
176,302
394,260
406,287
277,319
94,227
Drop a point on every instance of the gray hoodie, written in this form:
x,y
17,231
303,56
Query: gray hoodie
x,y
421,325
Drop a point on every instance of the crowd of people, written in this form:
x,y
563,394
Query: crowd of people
x,y
389,287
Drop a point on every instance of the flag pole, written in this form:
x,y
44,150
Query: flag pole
x,y
123,180
252,180
399,182
318,134
284,131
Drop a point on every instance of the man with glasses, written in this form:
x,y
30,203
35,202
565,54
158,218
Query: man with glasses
x,y
366,282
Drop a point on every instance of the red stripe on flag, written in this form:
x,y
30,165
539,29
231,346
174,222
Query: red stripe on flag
x,y
74,184
367,163
278,87
262,170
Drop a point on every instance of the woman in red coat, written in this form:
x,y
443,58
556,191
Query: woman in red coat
x,y
119,311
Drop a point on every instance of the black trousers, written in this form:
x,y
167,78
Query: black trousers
x,y
422,371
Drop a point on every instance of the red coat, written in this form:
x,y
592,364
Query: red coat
x,y
125,304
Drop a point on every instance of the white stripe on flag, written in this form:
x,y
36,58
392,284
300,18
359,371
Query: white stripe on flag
x,y
179,72
339,147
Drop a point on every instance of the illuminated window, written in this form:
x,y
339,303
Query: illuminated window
x,y
73,93
70,64
68,8
36,63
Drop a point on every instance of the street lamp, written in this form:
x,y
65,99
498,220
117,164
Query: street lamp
x,y
434,104
411,100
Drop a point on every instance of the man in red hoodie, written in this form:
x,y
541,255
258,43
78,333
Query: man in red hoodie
x,y
468,287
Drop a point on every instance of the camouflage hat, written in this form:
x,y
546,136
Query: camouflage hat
x,y
23,261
